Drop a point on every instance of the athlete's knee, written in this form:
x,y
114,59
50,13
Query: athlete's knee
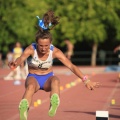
x,y
55,80
31,87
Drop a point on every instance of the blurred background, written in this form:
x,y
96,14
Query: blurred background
x,y
92,26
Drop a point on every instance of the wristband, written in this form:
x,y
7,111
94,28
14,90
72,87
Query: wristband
x,y
84,78
86,81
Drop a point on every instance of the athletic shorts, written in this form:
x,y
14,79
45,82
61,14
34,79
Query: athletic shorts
x,y
41,79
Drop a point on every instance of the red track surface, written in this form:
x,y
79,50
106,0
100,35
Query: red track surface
x,y
77,102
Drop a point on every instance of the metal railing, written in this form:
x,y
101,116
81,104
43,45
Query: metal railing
x,y
84,58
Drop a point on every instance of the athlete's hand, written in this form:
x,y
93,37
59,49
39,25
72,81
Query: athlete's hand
x,y
92,85
12,65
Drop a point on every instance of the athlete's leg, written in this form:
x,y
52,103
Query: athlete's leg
x,y
53,85
31,87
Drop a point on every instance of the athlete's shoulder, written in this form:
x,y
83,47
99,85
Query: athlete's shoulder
x,y
51,47
56,52
34,46
55,49
29,48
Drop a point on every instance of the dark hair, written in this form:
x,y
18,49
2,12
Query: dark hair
x,y
47,18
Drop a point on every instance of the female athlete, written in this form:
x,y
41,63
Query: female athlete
x,y
39,56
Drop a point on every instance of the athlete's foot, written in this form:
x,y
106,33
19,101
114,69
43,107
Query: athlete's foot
x,y
54,103
23,109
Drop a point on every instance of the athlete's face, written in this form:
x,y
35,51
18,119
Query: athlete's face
x,y
43,45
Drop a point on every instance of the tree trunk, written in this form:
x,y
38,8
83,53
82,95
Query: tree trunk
x,y
94,54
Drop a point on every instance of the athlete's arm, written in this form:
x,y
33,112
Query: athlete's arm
x,y
26,53
60,56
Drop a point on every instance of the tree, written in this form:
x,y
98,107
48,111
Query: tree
x,y
18,20
88,20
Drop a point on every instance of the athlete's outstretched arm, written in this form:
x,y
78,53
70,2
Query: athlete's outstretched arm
x,y
59,55
26,53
